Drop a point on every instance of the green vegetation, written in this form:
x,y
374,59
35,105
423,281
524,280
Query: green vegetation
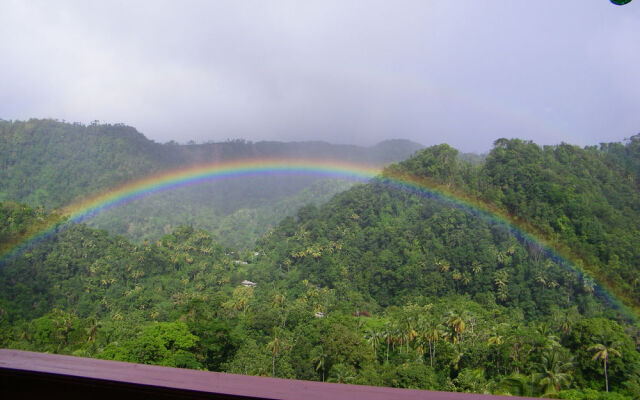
x,y
145,220
377,286
584,201
51,164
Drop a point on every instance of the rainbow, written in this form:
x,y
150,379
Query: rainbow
x,y
194,175
88,207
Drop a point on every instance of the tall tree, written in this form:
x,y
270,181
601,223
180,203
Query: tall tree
x,y
555,372
603,353
274,347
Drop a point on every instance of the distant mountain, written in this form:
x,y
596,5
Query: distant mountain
x,y
51,163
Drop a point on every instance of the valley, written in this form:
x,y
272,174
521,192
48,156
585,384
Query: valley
x,y
505,274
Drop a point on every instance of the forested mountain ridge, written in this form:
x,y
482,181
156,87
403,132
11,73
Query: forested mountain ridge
x,y
378,286
583,198
583,201
49,163
52,164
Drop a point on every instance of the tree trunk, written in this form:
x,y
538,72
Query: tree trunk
x,y
606,378
387,350
434,350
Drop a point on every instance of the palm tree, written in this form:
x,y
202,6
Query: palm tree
x,y
274,347
541,277
466,278
496,340
278,300
387,335
92,329
520,349
550,341
442,265
457,357
501,278
341,374
555,372
476,268
603,352
456,275
407,333
503,293
397,337
517,385
320,361
457,325
373,338
565,324
564,319
280,304
503,258
433,334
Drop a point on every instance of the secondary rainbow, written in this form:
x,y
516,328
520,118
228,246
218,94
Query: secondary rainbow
x,y
194,175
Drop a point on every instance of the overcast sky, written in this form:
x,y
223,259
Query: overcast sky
x,y
461,72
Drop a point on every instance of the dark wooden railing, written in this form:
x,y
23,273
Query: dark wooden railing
x,y
26,374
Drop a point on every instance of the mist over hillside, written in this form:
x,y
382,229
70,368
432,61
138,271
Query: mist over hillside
x,y
52,164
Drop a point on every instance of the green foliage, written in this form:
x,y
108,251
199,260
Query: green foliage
x,y
164,343
585,338
47,163
376,286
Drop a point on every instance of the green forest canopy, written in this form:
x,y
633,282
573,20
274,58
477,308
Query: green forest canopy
x,y
53,164
377,286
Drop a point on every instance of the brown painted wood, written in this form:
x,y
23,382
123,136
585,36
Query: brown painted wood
x,y
30,375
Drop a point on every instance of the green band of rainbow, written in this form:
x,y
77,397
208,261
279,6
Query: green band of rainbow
x,y
211,172
79,211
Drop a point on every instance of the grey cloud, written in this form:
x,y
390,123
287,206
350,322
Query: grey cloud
x,y
463,72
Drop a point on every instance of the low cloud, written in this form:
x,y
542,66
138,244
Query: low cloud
x,y
357,72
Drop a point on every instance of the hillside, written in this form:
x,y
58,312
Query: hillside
x,y
376,286
230,225
53,164
49,163
585,202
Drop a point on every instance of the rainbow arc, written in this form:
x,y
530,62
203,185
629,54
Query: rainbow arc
x,y
195,175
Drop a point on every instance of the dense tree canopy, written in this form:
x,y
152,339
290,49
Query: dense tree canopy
x,y
377,286
47,163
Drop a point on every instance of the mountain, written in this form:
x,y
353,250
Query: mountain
x,y
582,200
49,163
53,164
379,285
